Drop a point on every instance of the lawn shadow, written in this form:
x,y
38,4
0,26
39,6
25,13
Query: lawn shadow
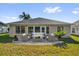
x,y
6,39
69,40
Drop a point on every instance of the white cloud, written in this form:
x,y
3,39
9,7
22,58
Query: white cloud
x,y
7,19
11,17
52,10
76,11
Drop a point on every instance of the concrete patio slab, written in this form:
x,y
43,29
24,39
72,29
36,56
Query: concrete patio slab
x,y
38,43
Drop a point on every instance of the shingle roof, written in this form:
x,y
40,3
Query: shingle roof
x,y
39,21
76,22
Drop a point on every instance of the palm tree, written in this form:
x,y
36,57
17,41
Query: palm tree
x,y
24,16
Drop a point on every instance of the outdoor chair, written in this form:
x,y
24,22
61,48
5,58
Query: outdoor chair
x,y
30,38
23,38
50,38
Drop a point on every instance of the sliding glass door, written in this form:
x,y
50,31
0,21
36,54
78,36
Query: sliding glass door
x,y
38,29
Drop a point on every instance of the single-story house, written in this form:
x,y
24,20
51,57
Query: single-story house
x,y
3,28
41,25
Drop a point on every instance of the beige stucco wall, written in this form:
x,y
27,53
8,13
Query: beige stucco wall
x,y
67,29
26,29
52,29
12,30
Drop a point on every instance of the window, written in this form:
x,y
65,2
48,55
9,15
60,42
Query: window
x,y
20,29
43,29
73,30
37,29
47,30
30,30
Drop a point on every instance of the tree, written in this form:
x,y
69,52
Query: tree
x,y
1,23
24,16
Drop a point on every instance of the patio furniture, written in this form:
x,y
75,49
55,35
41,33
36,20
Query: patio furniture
x,y
15,38
37,37
24,38
19,37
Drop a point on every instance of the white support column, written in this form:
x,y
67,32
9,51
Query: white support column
x,y
71,29
26,30
45,30
33,29
20,29
40,29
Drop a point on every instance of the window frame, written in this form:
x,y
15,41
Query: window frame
x,y
73,31
20,30
30,31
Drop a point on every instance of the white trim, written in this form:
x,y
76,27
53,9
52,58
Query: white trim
x,y
27,29
33,29
71,29
45,30
40,29
74,30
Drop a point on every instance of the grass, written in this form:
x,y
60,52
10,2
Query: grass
x,y
4,38
10,49
76,38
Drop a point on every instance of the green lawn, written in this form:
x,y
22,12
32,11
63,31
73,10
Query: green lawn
x,y
74,37
10,49
4,38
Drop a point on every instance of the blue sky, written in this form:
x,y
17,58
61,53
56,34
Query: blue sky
x,y
55,11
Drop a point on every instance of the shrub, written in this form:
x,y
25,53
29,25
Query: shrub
x,y
4,38
59,34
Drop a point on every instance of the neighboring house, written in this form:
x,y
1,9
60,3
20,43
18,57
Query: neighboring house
x,y
37,25
3,28
75,28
